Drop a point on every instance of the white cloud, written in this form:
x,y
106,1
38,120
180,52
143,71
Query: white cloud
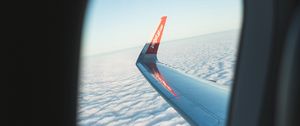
x,y
113,92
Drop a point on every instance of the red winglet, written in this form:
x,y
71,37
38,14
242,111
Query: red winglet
x,y
153,47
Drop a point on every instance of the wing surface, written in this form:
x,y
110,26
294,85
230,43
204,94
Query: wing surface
x,y
198,101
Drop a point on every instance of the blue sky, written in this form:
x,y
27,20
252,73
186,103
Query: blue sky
x,y
117,24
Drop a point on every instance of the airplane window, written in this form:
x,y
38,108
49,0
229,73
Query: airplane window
x,y
126,79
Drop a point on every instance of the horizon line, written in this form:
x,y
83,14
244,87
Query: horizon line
x,y
114,51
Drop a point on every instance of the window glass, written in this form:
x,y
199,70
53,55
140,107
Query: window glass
x,y
200,39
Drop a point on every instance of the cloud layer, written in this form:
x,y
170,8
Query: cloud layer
x,y
113,92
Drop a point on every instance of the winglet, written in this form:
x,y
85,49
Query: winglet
x,y
152,49
149,51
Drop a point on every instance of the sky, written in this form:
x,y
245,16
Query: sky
x,y
112,25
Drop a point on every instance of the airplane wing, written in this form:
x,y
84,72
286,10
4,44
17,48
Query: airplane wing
x,y
199,102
